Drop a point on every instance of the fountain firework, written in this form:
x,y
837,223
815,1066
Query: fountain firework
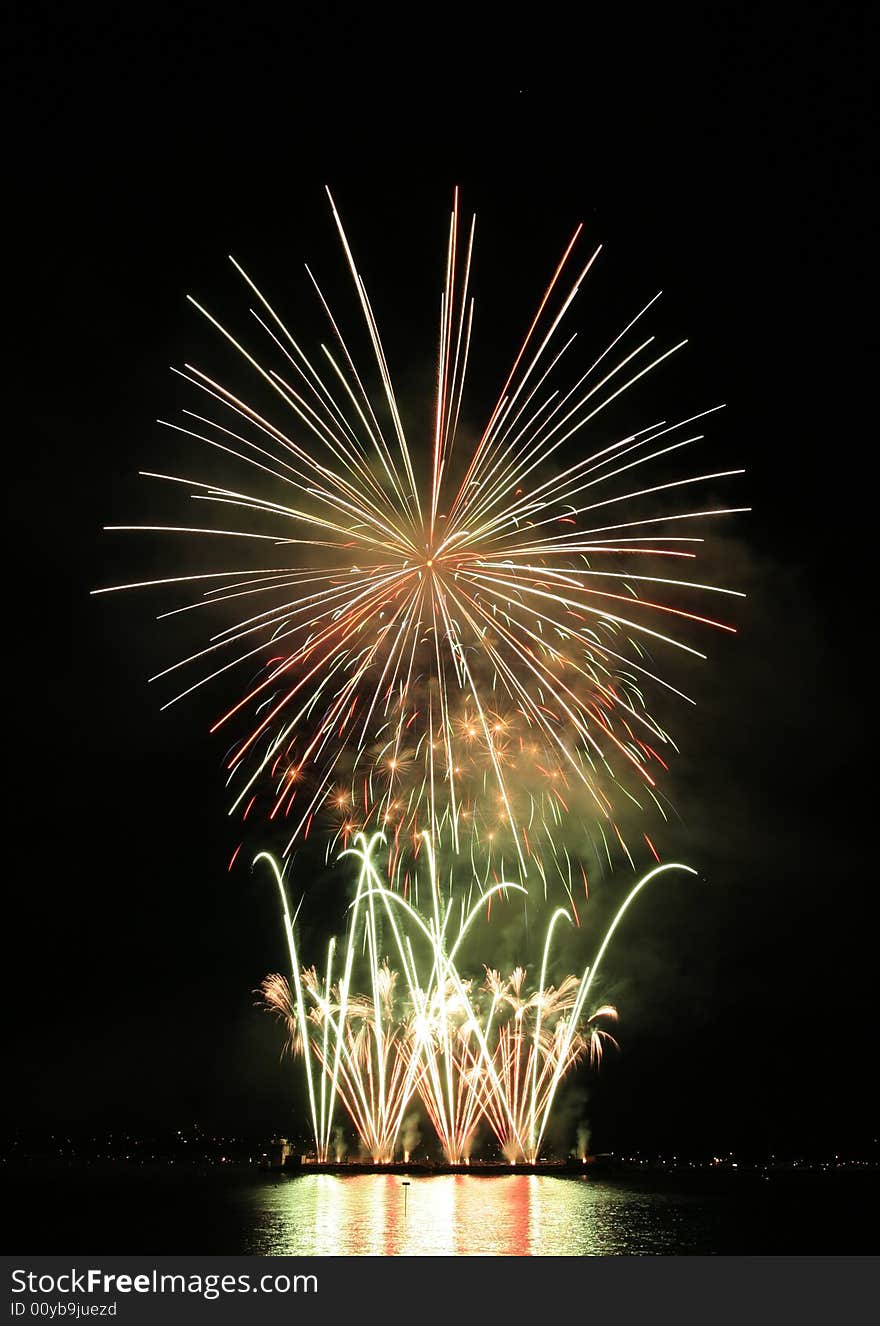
x,y
493,1053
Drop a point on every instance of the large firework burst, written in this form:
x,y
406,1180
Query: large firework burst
x,y
457,637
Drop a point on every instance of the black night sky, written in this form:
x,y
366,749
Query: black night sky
x,y
722,160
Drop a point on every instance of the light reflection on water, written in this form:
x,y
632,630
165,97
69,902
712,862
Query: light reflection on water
x,y
512,1215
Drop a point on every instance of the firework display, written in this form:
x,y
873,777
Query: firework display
x,y
453,648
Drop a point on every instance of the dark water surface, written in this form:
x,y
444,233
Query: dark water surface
x,y
168,1211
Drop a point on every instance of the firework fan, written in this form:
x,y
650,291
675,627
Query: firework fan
x,y
493,1054
457,638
